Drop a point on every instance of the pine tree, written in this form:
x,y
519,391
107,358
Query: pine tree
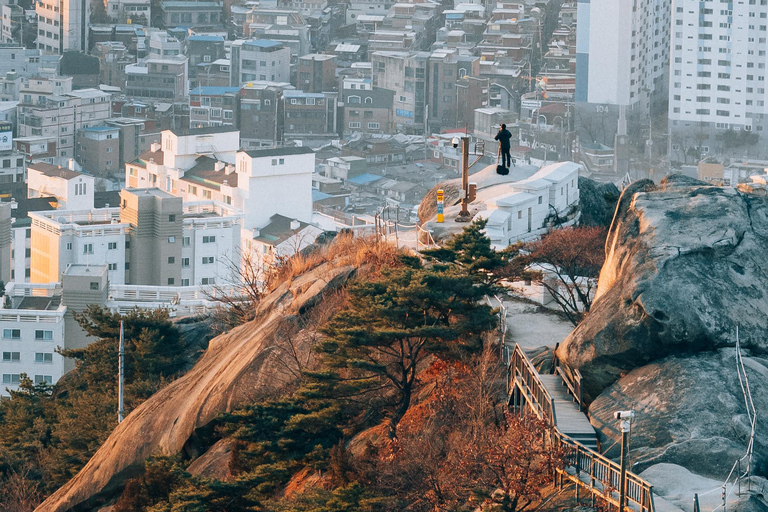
x,y
377,346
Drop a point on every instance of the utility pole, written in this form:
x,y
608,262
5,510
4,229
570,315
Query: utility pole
x,y
121,376
463,215
625,421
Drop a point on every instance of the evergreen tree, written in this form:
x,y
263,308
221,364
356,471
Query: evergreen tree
x,y
471,250
380,342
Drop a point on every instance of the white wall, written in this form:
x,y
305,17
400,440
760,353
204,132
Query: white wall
x,y
28,321
610,40
284,188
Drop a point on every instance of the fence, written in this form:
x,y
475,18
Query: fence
x,y
587,468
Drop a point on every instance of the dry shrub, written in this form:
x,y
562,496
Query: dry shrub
x,y
367,253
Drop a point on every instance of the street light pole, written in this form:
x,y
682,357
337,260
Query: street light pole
x,y
625,421
463,215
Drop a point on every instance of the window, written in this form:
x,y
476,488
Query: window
x,y
87,248
540,199
112,246
11,357
184,262
94,285
41,335
209,239
127,265
185,282
112,266
354,125
171,239
171,260
44,357
12,334
171,281
11,378
43,379
208,280
207,260
186,241
171,218
69,246
373,126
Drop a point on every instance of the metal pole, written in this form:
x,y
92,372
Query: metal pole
x,y
121,376
623,477
464,213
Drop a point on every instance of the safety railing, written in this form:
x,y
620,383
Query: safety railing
x,y
584,466
573,381
523,375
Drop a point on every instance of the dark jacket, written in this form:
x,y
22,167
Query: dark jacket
x,y
503,137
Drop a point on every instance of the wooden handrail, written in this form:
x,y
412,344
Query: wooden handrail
x,y
572,379
525,375
593,470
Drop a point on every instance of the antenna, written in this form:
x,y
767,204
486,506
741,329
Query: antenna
x,y
121,376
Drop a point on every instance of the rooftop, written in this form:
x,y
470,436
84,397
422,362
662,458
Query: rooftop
x,y
261,153
207,130
78,269
278,230
208,90
54,171
262,43
40,303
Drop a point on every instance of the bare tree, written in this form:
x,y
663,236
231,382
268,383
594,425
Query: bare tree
x,y
574,256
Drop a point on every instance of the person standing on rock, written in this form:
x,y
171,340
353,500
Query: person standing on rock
x,y
504,137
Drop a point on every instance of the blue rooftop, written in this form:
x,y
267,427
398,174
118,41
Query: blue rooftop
x,y
100,128
263,43
319,196
210,90
205,38
364,179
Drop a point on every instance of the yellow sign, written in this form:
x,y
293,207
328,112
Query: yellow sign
x,y
440,205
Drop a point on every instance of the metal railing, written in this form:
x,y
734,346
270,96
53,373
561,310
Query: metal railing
x,y
523,375
584,466
573,381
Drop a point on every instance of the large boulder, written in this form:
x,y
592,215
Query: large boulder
x,y
597,202
244,365
685,266
689,410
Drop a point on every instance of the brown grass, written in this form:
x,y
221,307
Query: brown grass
x,y
366,253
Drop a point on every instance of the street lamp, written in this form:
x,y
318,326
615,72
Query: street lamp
x,y
625,423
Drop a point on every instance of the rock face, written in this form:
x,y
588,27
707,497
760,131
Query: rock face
x,y
242,365
685,265
597,202
690,411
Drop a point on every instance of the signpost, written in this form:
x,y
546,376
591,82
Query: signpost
x,y
440,205
6,136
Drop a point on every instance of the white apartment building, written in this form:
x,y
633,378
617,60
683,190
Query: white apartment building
x,y
622,60
622,50
205,164
99,236
718,70
63,26
71,188
210,242
259,60
60,238
50,113
32,327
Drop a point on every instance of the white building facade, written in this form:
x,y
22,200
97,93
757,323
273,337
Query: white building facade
x,y
718,70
